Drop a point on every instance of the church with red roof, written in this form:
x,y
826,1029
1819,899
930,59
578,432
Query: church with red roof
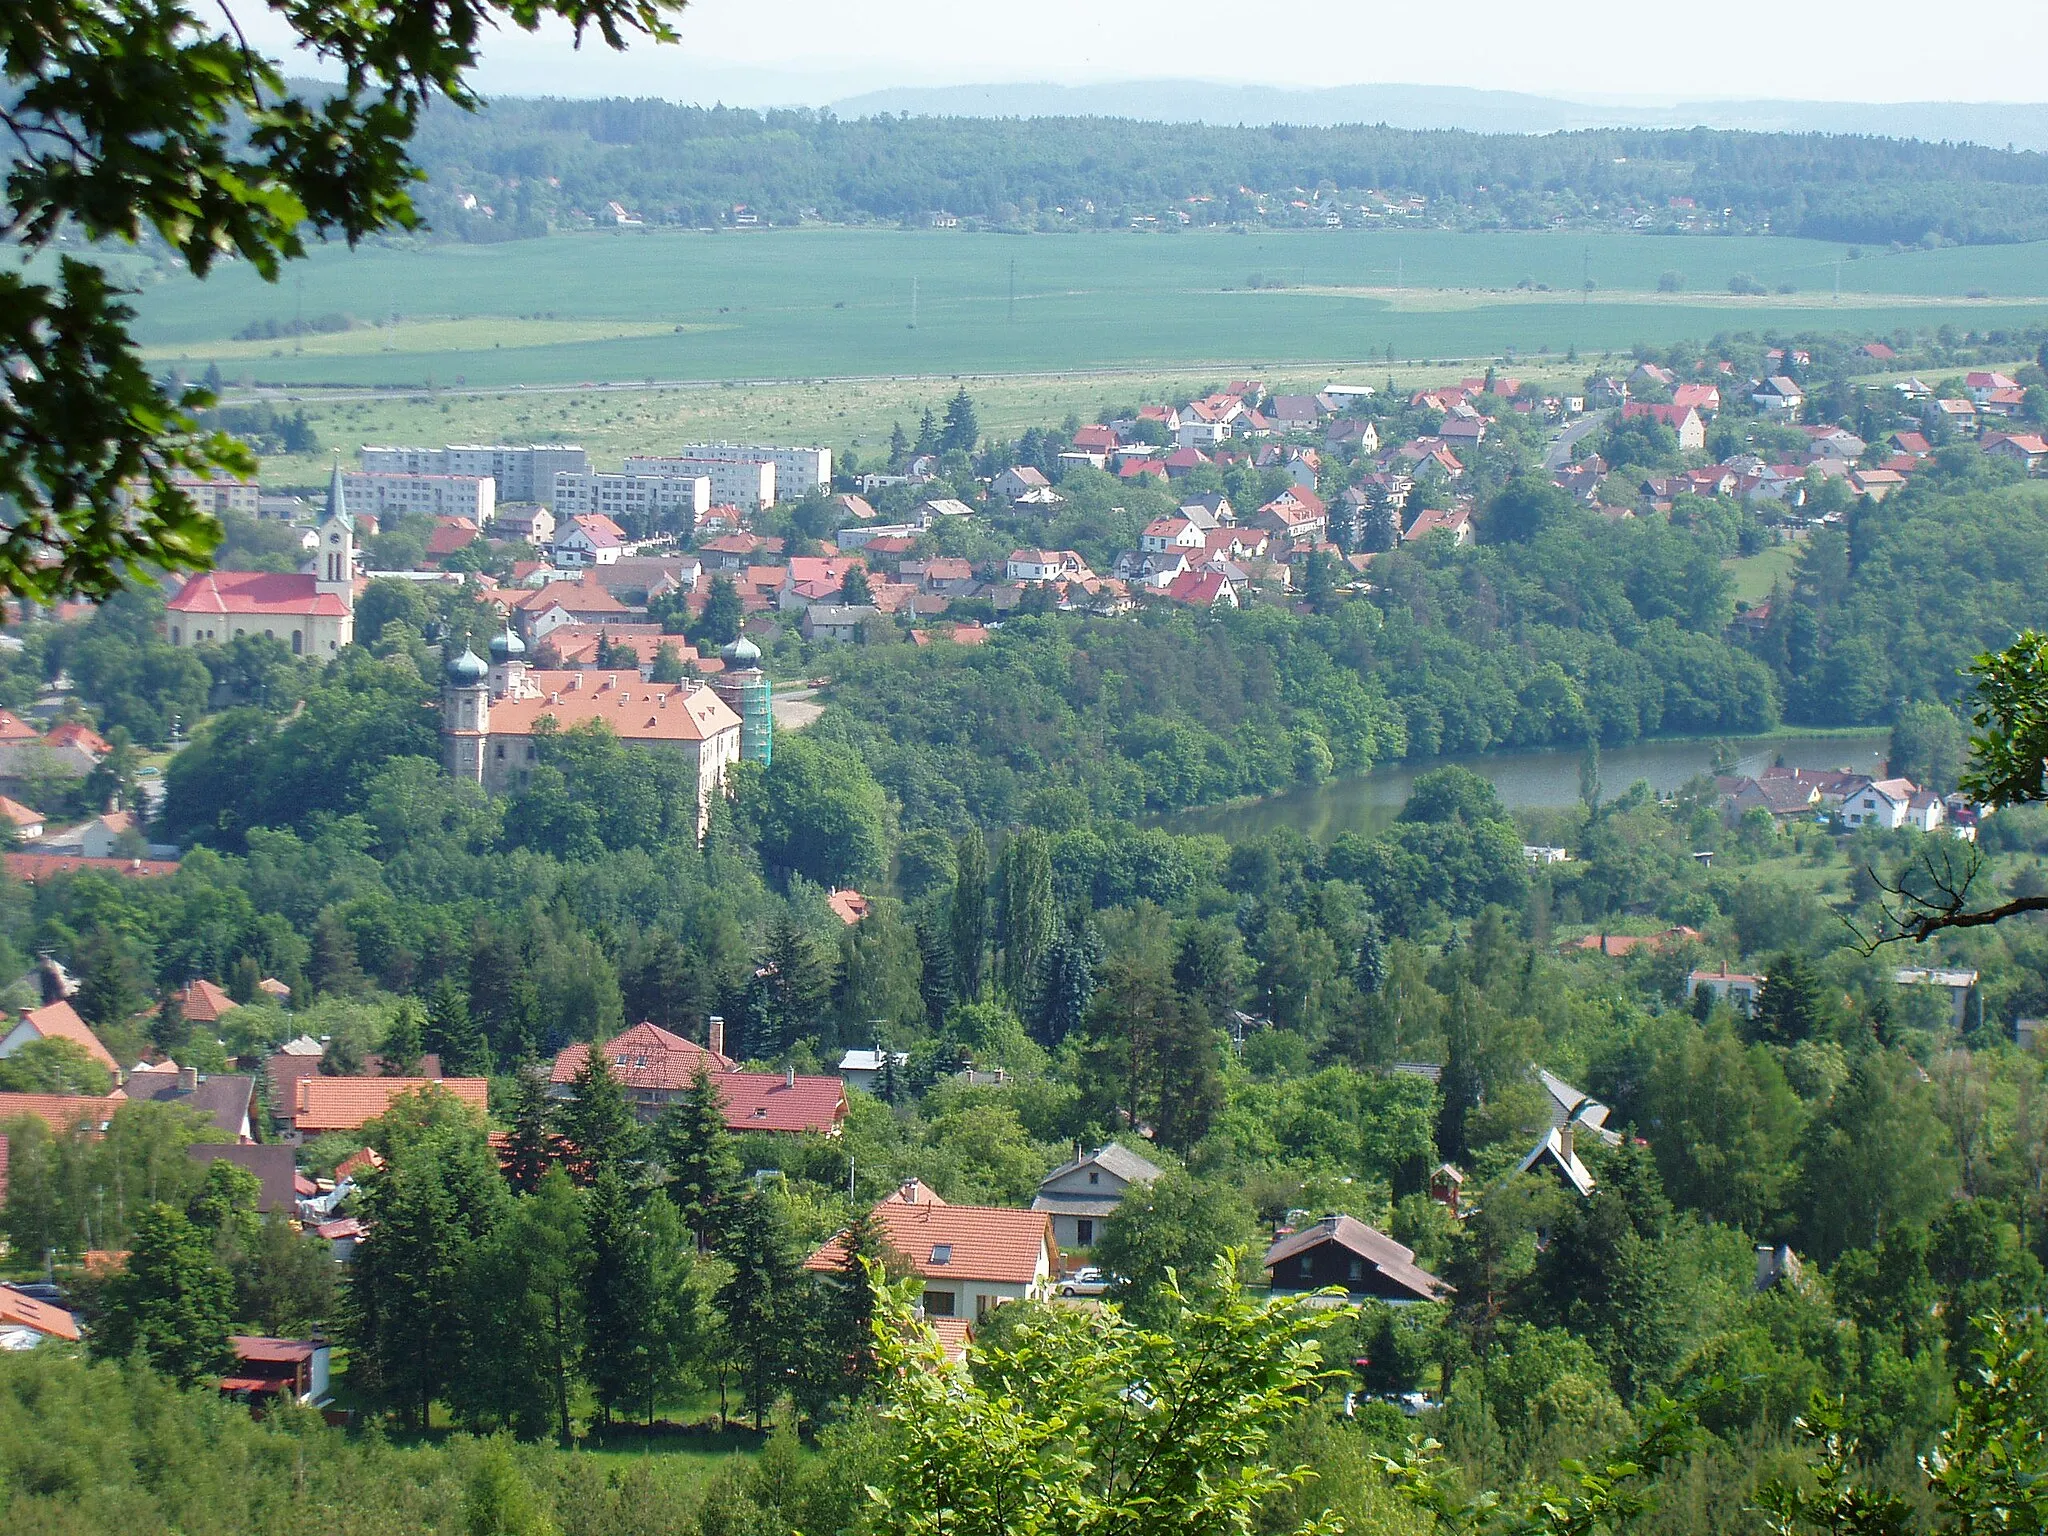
x,y
311,610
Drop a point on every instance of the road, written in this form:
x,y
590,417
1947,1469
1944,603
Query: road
x,y
1559,453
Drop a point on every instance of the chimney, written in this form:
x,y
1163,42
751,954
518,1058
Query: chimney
x,y
188,1079
716,1024
1564,1142
789,1075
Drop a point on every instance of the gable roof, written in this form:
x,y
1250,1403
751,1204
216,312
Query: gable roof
x,y
1392,1260
224,1097
257,594
635,711
20,1311
347,1103
1550,1150
960,1242
63,1113
775,1101
1115,1158
60,1021
273,1163
205,1003
645,1056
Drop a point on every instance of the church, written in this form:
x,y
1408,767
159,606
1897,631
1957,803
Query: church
x,y
312,610
491,711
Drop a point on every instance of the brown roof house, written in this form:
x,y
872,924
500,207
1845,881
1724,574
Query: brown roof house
x,y
1343,1252
972,1258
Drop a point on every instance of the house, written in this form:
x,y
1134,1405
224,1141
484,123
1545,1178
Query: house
x,y
1557,1154
1778,397
1019,482
1704,398
839,623
1353,432
1982,386
1878,352
1629,943
321,1104
1457,522
1569,1106
1205,423
1835,443
1294,413
1034,565
971,1258
74,744
944,506
1784,798
863,1069
1914,443
226,1098
656,1067
34,868
528,524
205,1003
1960,414
1343,1252
1958,985
590,539
312,610
1295,516
26,1321
2026,449
27,824
1079,1195
1891,804
1203,589
56,1021
1730,987
65,1114
267,1368
273,1163
1681,419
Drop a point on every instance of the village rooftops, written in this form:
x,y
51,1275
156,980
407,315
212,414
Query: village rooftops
x,y
959,1242
347,1103
57,1021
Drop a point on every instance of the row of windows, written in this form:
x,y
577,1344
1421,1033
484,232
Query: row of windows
x,y
201,635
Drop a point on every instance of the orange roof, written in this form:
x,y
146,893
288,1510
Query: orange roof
x,y
33,867
1624,943
961,1242
61,1112
14,728
19,1311
256,593
635,711
60,1021
361,1158
346,1103
451,534
645,1056
848,906
954,1335
19,814
205,1003
770,1101
76,733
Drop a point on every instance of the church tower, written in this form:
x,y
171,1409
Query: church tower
x,y
334,562
465,716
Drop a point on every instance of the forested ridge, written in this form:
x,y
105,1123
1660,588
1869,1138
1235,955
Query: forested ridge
x,y
536,161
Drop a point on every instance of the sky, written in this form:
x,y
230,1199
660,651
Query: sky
x,y
760,52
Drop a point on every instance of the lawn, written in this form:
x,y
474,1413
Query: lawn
x,y
1755,575
636,306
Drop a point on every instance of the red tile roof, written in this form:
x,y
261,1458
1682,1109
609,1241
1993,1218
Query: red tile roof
x,y
635,711
960,1242
60,1021
449,535
13,728
35,867
19,1311
347,1103
61,1112
75,733
848,906
206,1003
257,593
770,1101
646,1056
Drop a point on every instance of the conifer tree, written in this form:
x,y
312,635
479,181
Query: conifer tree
x,y
452,1032
405,1039
172,1301
530,1149
963,428
936,978
794,991
899,446
620,1304
696,1150
762,1298
336,971
596,1120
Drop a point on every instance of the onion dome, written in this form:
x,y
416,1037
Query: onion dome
x,y
468,669
507,646
743,651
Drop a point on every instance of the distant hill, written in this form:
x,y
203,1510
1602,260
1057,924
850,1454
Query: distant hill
x,y
1997,125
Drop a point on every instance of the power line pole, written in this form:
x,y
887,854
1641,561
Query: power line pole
x,y
1013,291
913,303
1585,275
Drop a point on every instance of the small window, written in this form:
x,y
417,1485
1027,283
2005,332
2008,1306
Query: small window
x,y
938,1303
501,751
1308,1265
1084,1232
1094,1177
298,642
1358,1269
942,1253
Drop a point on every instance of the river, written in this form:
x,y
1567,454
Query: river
x,y
1524,780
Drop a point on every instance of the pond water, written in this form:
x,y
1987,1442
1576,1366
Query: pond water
x,y
1524,780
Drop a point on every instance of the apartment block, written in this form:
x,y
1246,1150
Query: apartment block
x,y
472,496
743,483
798,471
521,473
653,496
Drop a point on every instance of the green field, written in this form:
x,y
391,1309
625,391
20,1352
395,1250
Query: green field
x,y
1756,574
635,306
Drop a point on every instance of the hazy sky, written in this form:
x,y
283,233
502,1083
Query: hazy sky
x,y
751,51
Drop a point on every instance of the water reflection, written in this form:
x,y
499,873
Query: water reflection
x,y
1523,780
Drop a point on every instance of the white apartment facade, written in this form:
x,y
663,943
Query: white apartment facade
x,y
745,483
523,472
798,471
633,493
472,496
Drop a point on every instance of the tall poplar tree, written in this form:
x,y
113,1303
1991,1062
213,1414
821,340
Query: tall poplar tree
x,y
1030,920
969,925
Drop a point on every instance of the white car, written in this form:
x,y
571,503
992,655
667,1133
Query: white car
x,y
1086,1282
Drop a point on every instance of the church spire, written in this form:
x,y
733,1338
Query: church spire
x,y
337,501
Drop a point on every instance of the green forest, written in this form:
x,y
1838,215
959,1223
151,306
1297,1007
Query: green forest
x,y
534,161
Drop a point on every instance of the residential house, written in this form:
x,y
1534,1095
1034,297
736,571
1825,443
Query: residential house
x,y
1876,483
943,506
1294,413
971,1258
1961,415
1704,398
1571,1106
1080,1195
1785,799
2026,449
1891,804
273,1163
863,1069
1778,397
27,824
1019,482
1206,423
266,1369
228,1099
838,623
56,1021
1295,517
1734,988
34,868
1185,461
590,539
1203,589
1629,943
1981,386
1835,443
1681,419
809,579
321,1104
1358,432
1035,565
531,524
27,1321
1344,1253
1556,1153
1457,522
1169,533
656,1067
1957,984
1914,443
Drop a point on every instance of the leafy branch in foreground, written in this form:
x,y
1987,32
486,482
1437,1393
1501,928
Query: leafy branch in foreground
x,y
125,120
1088,1425
2008,758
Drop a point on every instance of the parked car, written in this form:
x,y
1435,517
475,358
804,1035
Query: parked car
x,y
1086,1282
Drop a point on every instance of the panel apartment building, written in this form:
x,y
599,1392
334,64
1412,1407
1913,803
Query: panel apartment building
x,y
654,497
521,473
745,483
472,496
798,471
